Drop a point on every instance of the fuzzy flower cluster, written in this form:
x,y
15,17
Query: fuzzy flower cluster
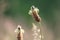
x,y
36,33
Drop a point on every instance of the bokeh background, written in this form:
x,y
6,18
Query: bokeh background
x,y
15,12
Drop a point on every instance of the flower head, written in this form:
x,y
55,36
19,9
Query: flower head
x,y
34,13
18,29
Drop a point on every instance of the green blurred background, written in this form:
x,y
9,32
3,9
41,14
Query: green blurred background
x,y
15,12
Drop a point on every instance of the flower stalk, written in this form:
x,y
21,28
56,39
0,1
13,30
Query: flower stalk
x,y
36,32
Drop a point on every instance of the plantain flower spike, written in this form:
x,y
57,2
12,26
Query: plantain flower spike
x,y
34,13
19,32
